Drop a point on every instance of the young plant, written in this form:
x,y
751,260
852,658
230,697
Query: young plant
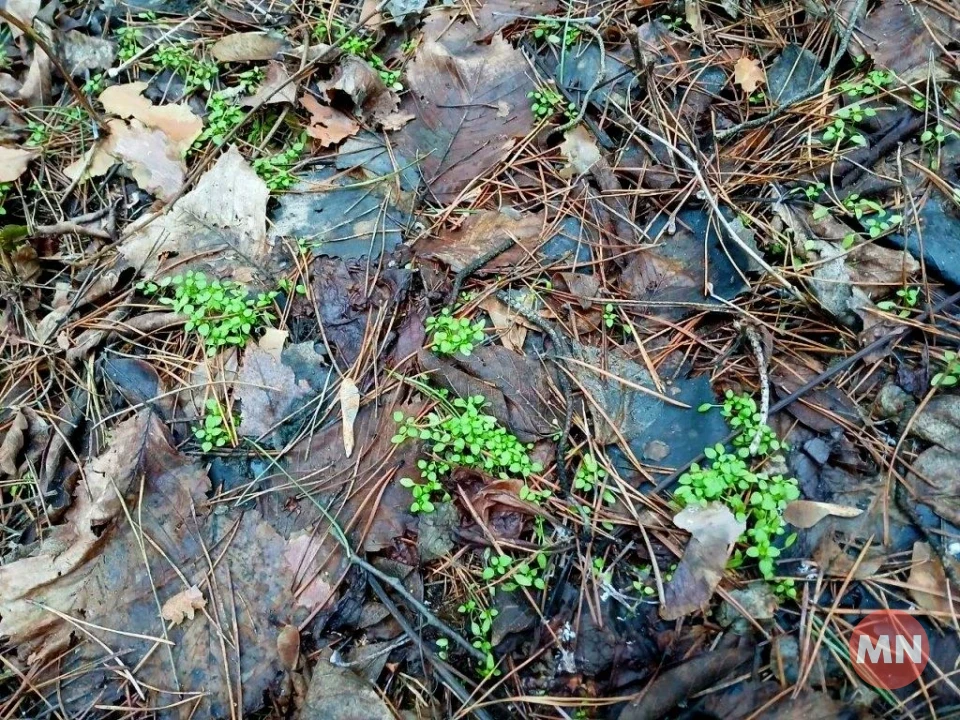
x,y
461,435
178,57
909,298
480,621
276,170
556,33
547,103
223,115
609,316
950,374
754,497
589,476
672,22
214,430
442,646
842,129
785,589
4,189
871,84
453,335
129,40
221,312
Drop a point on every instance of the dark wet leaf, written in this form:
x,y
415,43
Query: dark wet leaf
x,y
793,73
939,221
470,105
480,234
935,481
338,693
268,392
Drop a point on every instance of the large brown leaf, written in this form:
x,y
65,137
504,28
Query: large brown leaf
x,y
470,104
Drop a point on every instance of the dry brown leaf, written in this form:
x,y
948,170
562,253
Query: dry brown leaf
x,y
372,99
749,74
272,341
268,391
479,234
315,565
223,220
12,444
24,11
154,160
580,150
712,529
95,162
37,85
288,647
928,581
248,46
14,161
276,88
349,406
512,325
183,605
396,121
807,513
178,122
837,562
327,125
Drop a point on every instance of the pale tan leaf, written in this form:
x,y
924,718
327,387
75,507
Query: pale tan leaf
x,y
183,605
396,121
928,581
272,341
24,11
277,87
327,125
178,122
580,150
14,161
154,160
748,73
95,162
13,444
691,13
244,47
349,406
805,514
288,647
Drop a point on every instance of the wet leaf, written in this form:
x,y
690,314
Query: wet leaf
x,y
327,125
154,161
268,392
84,52
338,693
24,11
457,133
928,581
12,445
361,84
479,234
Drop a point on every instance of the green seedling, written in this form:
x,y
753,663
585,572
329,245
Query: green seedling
x,y
277,170
250,80
453,335
94,85
672,22
758,98
609,316
129,42
463,436
842,129
4,189
547,103
754,497
950,374
221,312
480,622
908,299
215,430
178,57
873,83
223,115
589,476
442,646
785,589
556,33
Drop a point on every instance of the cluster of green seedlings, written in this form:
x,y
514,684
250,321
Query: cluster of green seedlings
x,y
215,430
907,300
672,22
875,218
221,312
556,33
547,103
480,621
462,435
361,46
754,497
843,129
872,84
645,583
590,476
451,335
58,121
277,170
178,56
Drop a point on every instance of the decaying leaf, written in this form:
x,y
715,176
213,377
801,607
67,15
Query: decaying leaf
x,y
24,11
277,87
248,46
713,528
268,391
178,122
928,582
349,405
12,444
14,161
288,647
222,220
85,52
807,513
748,74
155,163
338,693
183,605
362,85
457,131
95,162
580,150
479,234
327,125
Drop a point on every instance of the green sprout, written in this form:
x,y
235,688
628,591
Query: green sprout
x,y
94,85
215,430
842,129
873,83
250,80
221,312
785,589
4,189
589,476
672,22
609,316
480,621
556,33
453,335
754,497
908,297
548,102
758,97
442,646
950,374
462,436
276,170
129,41
178,57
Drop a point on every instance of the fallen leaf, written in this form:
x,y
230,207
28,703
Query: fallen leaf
x,y
713,528
805,514
183,605
36,88
12,445
691,13
935,481
836,561
928,581
316,565
349,405
222,220
24,11
288,647
396,121
580,150
84,52
155,162
248,46
454,93
748,73
95,162
327,125
362,85
178,122
14,161
268,392
462,28
479,234
939,422
277,87
272,342
512,326
338,693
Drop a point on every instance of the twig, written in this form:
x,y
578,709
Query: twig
x,y
601,71
464,273
815,89
754,341
113,72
